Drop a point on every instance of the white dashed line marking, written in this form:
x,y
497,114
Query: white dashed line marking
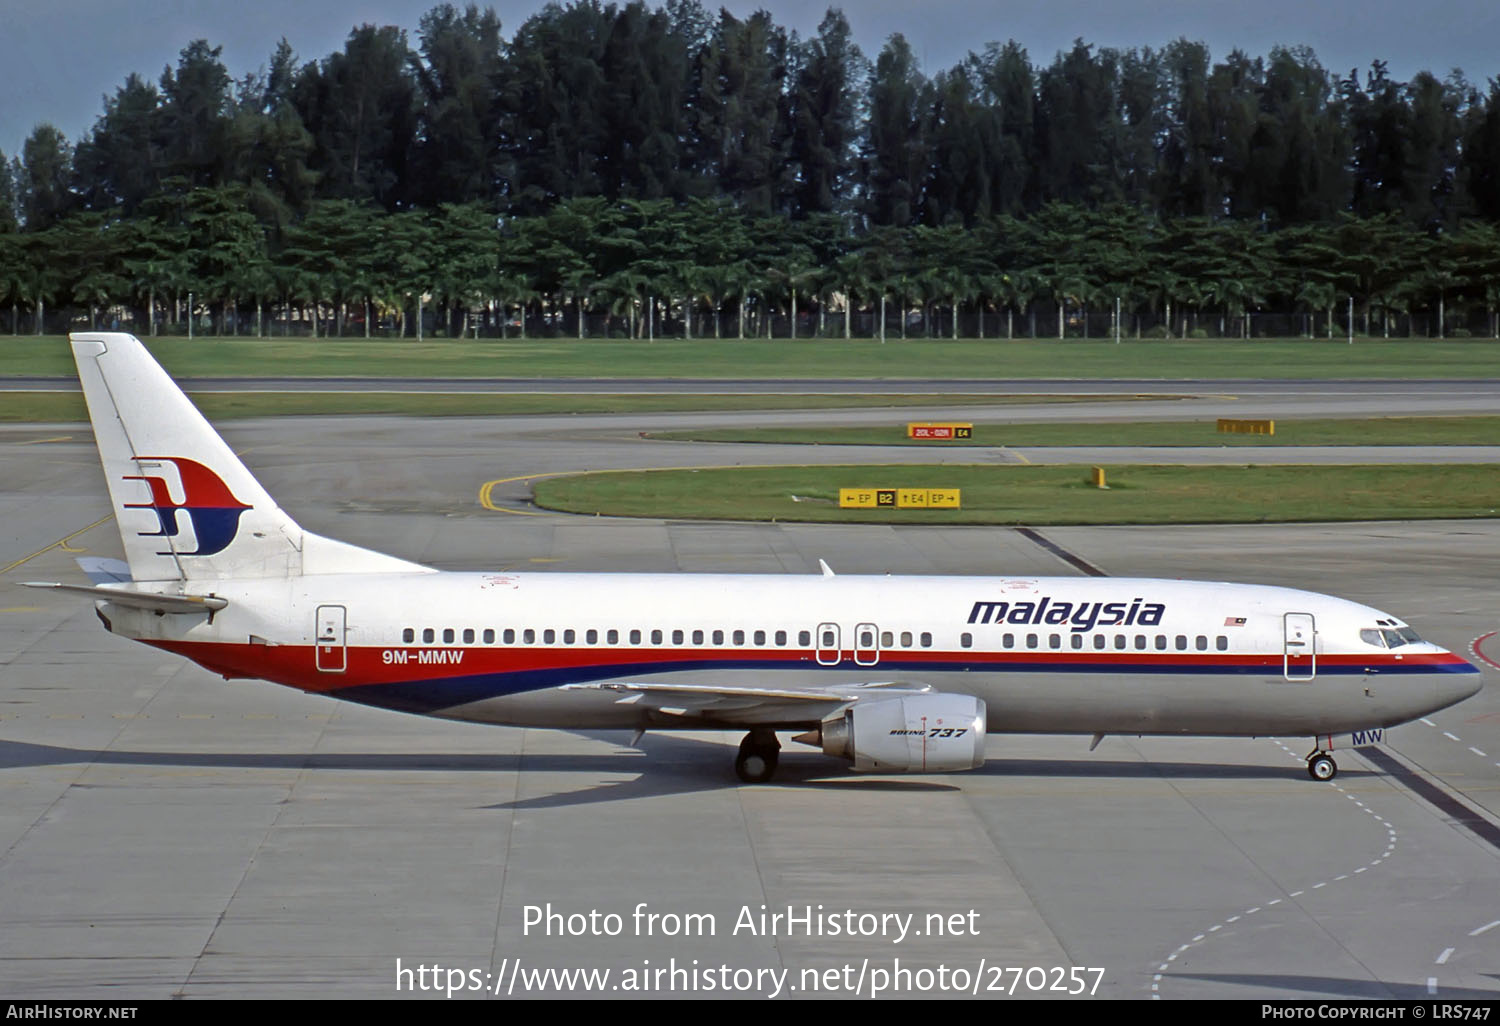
x,y
1485,928
1450,737
1390,848
1428,722
1478,752
1443,958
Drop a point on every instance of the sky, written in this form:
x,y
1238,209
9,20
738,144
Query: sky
x,y
58,59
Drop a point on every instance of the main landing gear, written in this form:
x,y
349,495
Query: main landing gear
x,y
1320,765
756,761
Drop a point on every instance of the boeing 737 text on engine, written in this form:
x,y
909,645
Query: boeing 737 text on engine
x,y
893,674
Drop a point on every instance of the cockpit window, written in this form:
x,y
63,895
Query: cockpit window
x,y
1396,637
1389,637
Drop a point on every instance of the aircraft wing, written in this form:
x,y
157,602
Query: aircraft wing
x,y
750,705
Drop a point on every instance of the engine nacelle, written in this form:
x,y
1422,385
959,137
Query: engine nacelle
x,y
915,734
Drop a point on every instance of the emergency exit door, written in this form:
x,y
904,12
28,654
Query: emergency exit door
x,y
330,639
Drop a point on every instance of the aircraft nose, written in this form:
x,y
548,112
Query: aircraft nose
x,y
1471,687
1462,685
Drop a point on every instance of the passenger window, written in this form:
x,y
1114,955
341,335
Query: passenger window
x,y
635,636
1031,641
613,637
676,637
409,635
926,640
1182,642
1161,642
1008,640
760,637
528,636
1078,641
447,635
1099,641
489,635
781,637
1119,641
804,638
1222,643
966,640
1201,643
510,635
1140,642
739,638
656,637
591,637
827,638
569,637
718,637
468,635
1055,641
697,637
549,636
887,639
906,639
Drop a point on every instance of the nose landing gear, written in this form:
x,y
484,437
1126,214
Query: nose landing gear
x,y
1320,766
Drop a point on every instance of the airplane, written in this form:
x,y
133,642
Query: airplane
x,y
891,674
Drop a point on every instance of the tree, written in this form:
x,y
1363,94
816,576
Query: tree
x,y
120,163
193,121
740,114
459,75
9,221
271,148
44,182
895,150
824,109
360,107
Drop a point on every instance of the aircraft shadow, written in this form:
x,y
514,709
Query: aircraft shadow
x,y
662,764
1337,987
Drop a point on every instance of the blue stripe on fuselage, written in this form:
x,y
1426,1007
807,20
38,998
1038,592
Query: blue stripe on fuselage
x,y
433,693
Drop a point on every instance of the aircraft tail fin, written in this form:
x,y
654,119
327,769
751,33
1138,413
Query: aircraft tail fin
x,y
187,508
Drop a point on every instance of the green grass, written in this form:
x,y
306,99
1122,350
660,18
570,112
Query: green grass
x,y
1042,495
53,407
782,358
1369,431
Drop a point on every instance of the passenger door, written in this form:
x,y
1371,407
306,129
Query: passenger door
x,y
1299,659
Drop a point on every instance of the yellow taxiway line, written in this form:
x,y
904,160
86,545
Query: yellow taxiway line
x,y
61,543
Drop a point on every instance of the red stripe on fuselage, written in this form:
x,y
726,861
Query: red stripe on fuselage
x,y
296,665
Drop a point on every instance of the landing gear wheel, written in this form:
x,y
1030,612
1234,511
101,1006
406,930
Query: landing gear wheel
x,y
756,761
1320,766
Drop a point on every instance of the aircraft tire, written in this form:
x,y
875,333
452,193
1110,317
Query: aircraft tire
x,y
755,763
1322,767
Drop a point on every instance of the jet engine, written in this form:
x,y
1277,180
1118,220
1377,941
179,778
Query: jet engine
x,y
915,734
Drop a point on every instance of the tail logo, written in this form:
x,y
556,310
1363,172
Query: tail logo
x,y
211,508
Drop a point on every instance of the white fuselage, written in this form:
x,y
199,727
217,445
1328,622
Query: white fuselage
x,y
1053,655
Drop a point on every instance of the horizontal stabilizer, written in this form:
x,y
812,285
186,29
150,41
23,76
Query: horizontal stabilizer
x,y
105,571
139,599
